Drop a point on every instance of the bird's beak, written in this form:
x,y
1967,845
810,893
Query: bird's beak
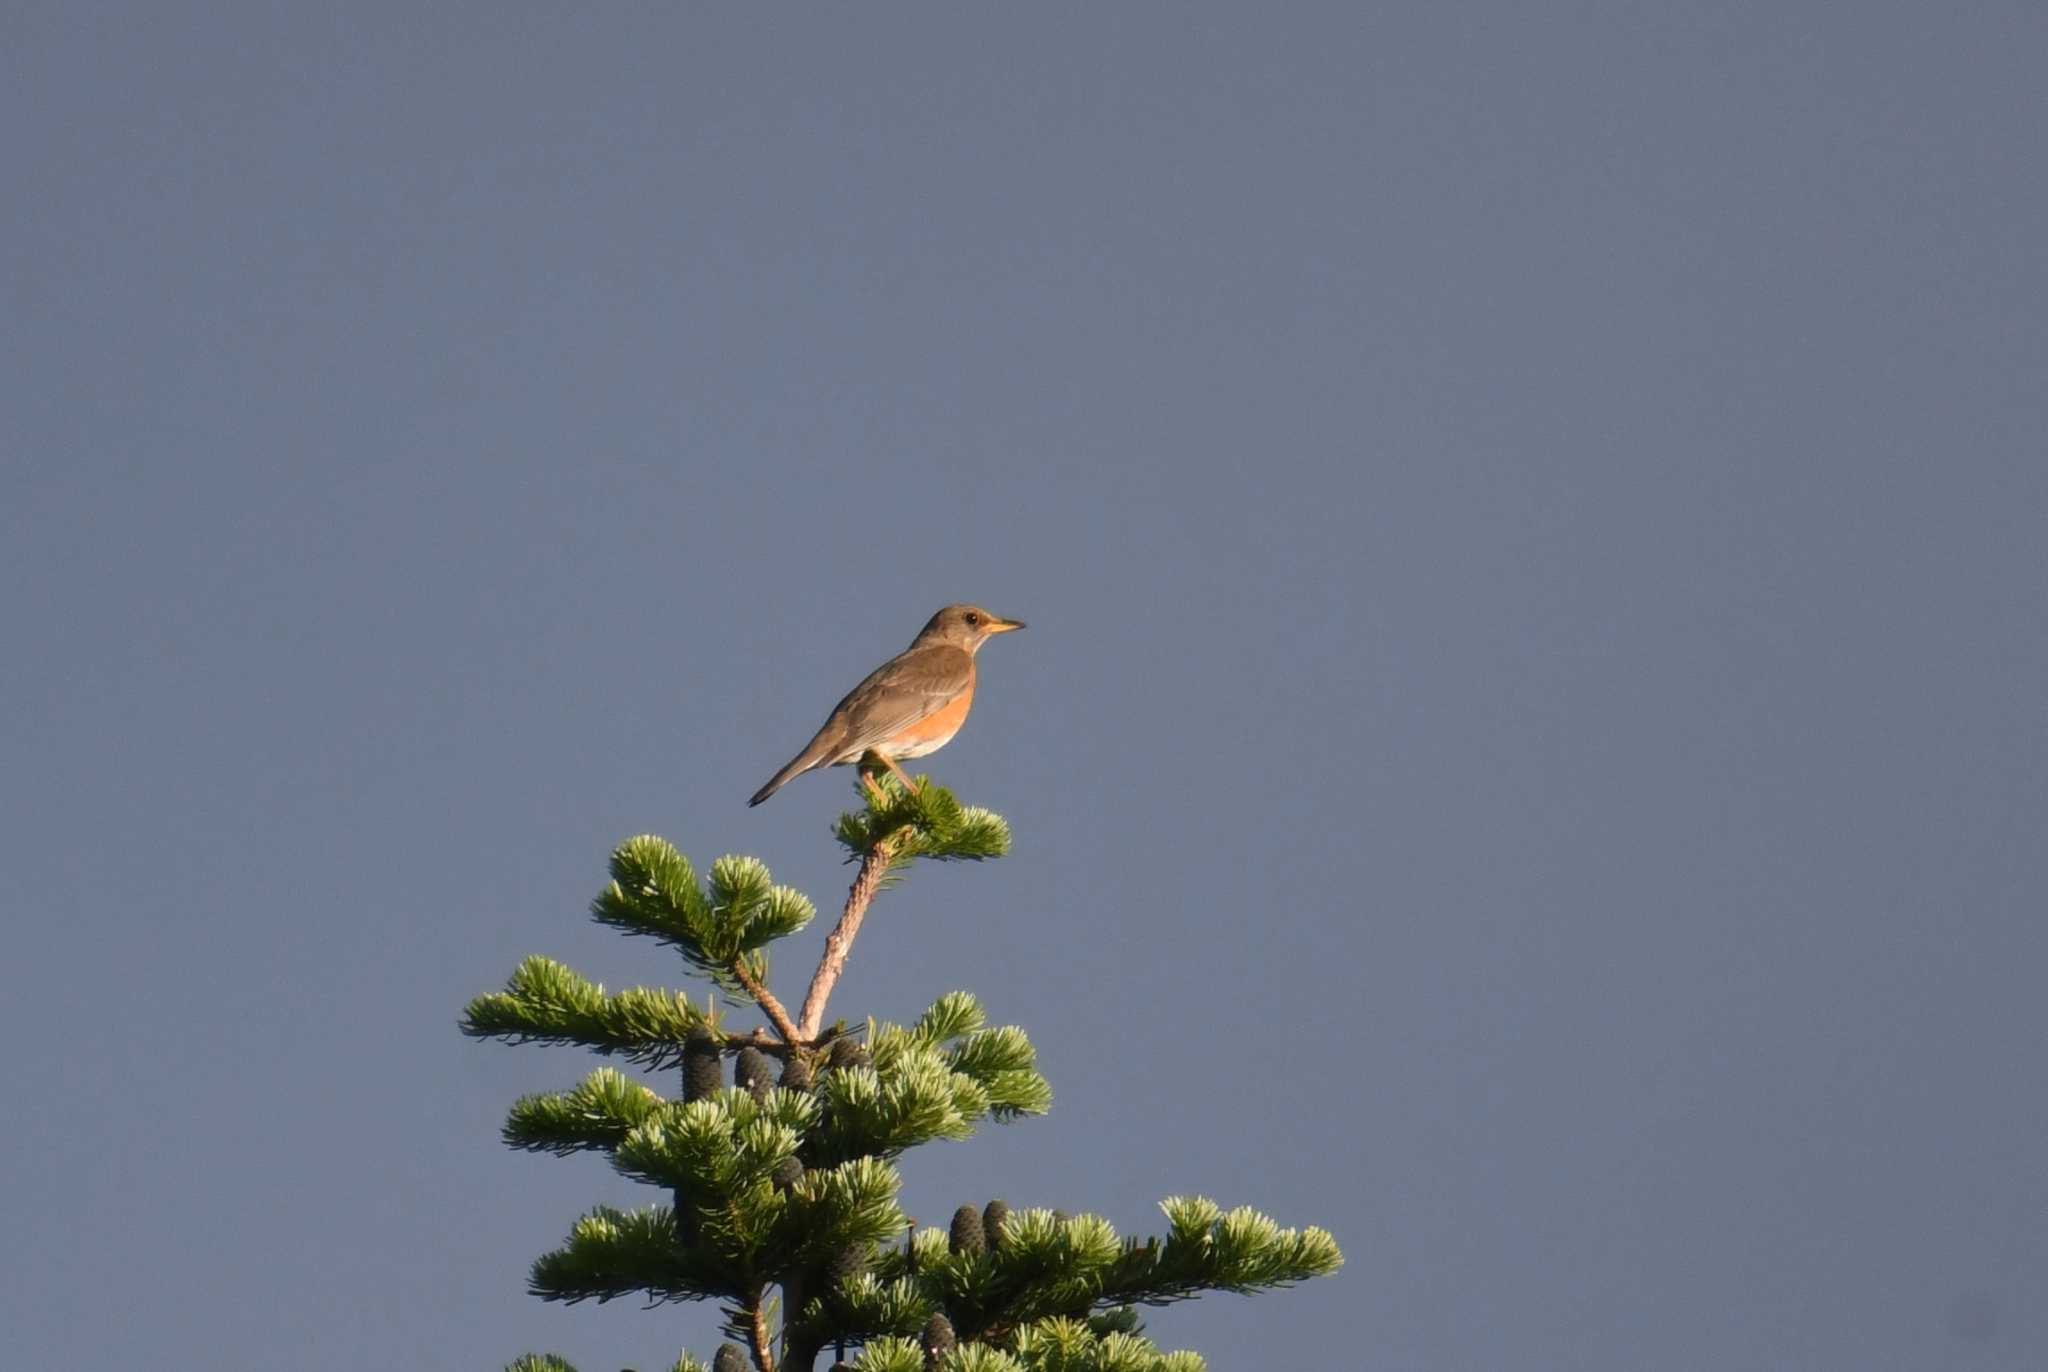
x,y
1004,626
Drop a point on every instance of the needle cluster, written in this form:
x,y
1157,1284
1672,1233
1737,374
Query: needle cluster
x,y
781,1174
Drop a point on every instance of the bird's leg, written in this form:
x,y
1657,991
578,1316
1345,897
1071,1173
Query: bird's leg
x,y
867,776
901,775
866,767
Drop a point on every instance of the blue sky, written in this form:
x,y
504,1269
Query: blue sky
x,y
1528,752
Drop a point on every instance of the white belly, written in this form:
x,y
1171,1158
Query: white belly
x,y
901,751
922,746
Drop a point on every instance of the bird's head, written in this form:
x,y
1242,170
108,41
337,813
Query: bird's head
x,y
966,626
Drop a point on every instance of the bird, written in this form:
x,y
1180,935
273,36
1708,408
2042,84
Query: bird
x,y
909,706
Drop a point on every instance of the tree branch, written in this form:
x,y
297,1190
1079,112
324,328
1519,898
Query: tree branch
x,y
839,944
770,1006
755,1038
757,1333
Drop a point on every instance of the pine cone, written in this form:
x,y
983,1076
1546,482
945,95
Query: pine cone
x,y
965,1236
848,1053
731,1358
703,1065
937,1340
787,1174
850,1261
751,1072
994,1220
796,1072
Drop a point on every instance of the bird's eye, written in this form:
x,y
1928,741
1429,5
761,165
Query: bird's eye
x,y
973,618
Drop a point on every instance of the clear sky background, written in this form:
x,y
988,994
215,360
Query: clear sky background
x,y
1529,750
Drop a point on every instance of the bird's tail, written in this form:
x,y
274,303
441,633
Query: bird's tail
x,y
798,765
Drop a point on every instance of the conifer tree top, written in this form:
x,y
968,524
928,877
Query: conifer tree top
x,y
782,1184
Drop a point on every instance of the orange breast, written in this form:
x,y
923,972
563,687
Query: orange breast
x,y
933,731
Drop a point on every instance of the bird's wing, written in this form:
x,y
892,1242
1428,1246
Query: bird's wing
x,y
902,691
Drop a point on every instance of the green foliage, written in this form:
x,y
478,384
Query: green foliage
x,y
1210,1249
926,823
546,1002
717,1146
1055,1345
891,1354
974,1357
933,1080
952,1016
1066,1345
723,1157
789,1183
612,1253
1058,1347
599,1113
549,1362
862,1307
1046,1267
654,893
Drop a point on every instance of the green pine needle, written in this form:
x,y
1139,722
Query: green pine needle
x,y
599,1113
613,1253
929,823
951,1016
547,1002
794,1190
654,893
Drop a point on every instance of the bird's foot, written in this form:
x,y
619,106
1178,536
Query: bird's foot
x,y
904,777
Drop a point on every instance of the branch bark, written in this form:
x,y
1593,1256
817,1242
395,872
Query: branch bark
x,y
839,944
756,1037
770,1006
757,1333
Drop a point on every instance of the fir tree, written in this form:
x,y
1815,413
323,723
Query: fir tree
x,y
784,1186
